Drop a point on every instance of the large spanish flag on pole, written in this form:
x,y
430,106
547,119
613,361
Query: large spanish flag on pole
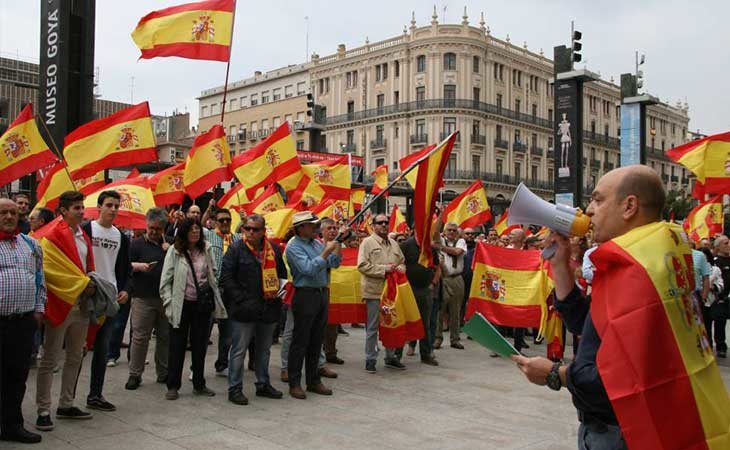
x,y
22,149
56,181
400,321
121,139
408,160
705,220
272,160
470,208
381,180
509,286
136,200
397,222
652,381
201,30
332,176
430,178
167,185
208,163
708,159
346,304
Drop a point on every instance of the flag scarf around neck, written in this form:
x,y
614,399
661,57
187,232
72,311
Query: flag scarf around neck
x,y
201,30
397,222
470,208
400,321
136,200
708,159
705,220
430,178
346,304
121,139
501,227
509,286
22,149
652,379
65,277
381,180
57,181
272,160
167,186
269,276
208,163
270,200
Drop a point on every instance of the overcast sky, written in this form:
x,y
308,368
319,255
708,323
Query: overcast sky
x,y
687,44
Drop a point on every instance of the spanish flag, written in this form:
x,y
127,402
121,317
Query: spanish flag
x,y
346,304
62,268
23,148
502,227
272,160
121,139
430,178
381,180
509,286
397,222
306,194
332,176
399,320
357,197
56,181
705,220
654,380
136,200
208,163
235,199
167,185
270,200
408,160
278,223
470,208
708,159
333,208
554,333
365,224
201,30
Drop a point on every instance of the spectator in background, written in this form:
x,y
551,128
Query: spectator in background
x,y
39,217
23,203
720,309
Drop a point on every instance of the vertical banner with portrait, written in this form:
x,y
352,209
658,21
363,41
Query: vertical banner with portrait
x,y
568,128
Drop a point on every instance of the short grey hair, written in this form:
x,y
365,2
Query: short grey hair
x,y
327,221
718,240
258,218
156,215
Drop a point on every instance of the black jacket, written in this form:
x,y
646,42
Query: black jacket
x,y
242,285
123,265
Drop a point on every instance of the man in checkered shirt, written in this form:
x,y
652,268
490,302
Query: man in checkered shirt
x,y
22,304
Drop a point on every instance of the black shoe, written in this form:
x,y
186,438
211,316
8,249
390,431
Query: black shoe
x,y
357,325
204,392
72,413
100,403
394,364
19,434
238,398
430,361
268,391
457,345
335,360
133,383
342,331
370,367
44,423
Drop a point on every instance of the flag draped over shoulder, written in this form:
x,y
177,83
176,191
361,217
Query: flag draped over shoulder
x,y
136,200
708,159
22,149
705,220
400,321
397,222
208,163
167,185
201,30
346,304
651,381
381,180
121,139
509,286
470,208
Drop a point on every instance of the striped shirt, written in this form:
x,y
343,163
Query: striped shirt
x,y
21,261
219,246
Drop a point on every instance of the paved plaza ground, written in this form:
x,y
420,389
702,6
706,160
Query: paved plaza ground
x,y
471,401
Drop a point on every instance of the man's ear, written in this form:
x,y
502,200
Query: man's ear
x,y
630,207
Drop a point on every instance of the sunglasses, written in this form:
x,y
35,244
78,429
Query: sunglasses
x,y
252,228
469,234
382,222
224,220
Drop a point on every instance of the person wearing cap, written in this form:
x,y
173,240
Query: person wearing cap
x,y
309,260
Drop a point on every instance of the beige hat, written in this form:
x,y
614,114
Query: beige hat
x,y
303,217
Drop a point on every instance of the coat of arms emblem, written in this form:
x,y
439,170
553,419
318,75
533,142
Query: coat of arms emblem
x,y
203,29
15,146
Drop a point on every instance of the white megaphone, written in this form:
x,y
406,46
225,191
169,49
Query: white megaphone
x,y
529,209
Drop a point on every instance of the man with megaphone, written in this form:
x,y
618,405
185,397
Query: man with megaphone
x,y
626,384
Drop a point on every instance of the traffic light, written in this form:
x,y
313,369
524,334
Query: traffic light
x,y
576,46
310,104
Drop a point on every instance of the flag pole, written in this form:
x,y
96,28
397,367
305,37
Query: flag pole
x,y
228,64
56,150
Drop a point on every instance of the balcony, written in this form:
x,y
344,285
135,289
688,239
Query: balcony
x,y
665,178
348,147
674,178
478,139
595,163
551,153
602,140
607,166
253,136
378,144
491,177
519,147
499,143
242,135
419,138
537,151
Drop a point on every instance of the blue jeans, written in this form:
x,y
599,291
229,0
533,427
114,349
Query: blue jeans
x,y
609,438
118,325
224,344
241,335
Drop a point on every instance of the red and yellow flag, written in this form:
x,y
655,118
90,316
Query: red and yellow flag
x,y
333,208
121,139
306,194
278,223
554,333
708,159
400,321
270,200
381,180
272,160
470,208
235,199
653,381
509,286
208,163
167,185
136,200
502,227
357,197
56,181
705,220
332,176
366,221
428,181
201,30
408,160
397,222
346,304
22,148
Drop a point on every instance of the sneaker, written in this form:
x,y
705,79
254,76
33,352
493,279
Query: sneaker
x,y
111,363
100,403
222,373
204,392
133,382
172,394
370,367
268,391
72,413
44,422
237,398
394,364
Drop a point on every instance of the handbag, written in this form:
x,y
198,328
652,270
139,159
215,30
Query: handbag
x,y
206,300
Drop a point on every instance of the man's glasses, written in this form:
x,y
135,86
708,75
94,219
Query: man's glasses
x,y
468,233
451,230
382,222
252,228
224,220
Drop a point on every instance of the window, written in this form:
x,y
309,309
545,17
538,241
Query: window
x,y
301,88
550,114
550,143
534,110
233,104
518,137
203,111
499,101
421,63
421,127
449,61
378,73
213,109
380,101
277,94
605,130
265,97
232,131
327,84
518,170
518,104
300,145
477,94
499,132
551,174
475,64
534,140
300,117
321,86
498,168
350,138
288,91
379,162
396,130
475,128
242,101
276,122
476,163
496,71
451,167
385,71
501,72
396,97
396,68
449,125
350,107
348,80
379,133
450,92
420,93
254,99
265,125
288,118
533,172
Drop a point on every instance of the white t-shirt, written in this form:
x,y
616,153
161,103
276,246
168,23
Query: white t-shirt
x,y
453,265
106,243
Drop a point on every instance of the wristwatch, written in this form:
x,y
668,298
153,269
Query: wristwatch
x,y
553,377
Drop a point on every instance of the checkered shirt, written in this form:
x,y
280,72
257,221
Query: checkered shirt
x,y
19,267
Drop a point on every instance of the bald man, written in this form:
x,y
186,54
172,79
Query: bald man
x,y
517,239
623,200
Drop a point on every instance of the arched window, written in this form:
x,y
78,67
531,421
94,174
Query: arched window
x,y
449,61
421,63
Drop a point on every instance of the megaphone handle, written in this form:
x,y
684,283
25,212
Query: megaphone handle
x,y
549,252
